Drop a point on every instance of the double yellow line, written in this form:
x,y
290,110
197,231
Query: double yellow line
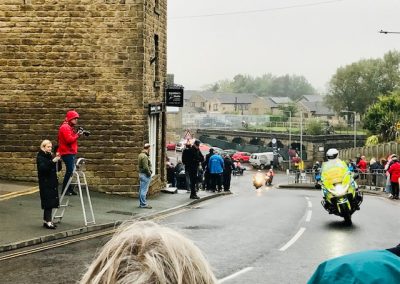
x,y
18,193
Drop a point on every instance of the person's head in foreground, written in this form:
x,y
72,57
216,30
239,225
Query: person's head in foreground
x,y
366,267
145,252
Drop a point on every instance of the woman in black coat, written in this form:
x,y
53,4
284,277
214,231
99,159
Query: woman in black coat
x,y
48,182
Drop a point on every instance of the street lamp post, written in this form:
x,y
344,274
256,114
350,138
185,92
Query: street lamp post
x,y
355,125
290,136
301,135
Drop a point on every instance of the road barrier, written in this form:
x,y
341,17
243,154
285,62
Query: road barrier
x,y
375,180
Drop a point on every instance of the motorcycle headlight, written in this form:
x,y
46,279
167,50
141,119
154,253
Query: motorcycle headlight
x,y
258,180
339,189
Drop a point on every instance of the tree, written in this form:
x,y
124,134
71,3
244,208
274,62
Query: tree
x,y
291,86
286,110
357,86
382,117
267,85
314,127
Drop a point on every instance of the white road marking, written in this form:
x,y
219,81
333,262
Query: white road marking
x,y
307,198
247,269
293,240
309,204
308,218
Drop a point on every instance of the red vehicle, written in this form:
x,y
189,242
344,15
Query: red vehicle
x,y
171,146
242,157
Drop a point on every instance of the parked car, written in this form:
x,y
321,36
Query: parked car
x,y
230,152
241,156
171,146
261,160
180,146
264,160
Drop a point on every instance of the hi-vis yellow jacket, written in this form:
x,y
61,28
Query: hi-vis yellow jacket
x,y
333,171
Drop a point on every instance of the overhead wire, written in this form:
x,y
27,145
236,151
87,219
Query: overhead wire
x,y
256,10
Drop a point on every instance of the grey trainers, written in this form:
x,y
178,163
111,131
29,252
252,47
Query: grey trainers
x,y
146,207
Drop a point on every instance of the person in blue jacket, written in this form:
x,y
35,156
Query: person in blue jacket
x,y
216,168
367,267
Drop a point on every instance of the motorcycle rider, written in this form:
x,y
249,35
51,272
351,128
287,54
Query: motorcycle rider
x,y
269,176
333,170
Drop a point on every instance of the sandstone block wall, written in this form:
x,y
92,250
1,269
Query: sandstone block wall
x,y
93,56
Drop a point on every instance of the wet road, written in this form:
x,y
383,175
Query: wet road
x,y
265,236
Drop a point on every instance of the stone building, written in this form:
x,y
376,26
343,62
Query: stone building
x,y
104,58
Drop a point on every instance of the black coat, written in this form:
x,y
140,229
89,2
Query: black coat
x,y
48,182
228,166
191,158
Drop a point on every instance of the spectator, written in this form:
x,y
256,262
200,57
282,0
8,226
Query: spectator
x,y
192,159
180,175
352,166
388,186
47,167
171,178
228,168
186,153
216,165
207,176
317,171
145,252
372,266
144,176
68,147
362,167
374,168
394,171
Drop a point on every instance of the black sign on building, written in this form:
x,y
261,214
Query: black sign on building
x,y
156,108
174,96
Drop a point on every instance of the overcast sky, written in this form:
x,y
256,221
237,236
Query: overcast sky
x,y
303,37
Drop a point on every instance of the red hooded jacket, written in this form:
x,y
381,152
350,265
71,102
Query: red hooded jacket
x,y
67,137
394,171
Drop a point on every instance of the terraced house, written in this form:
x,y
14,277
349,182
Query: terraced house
x,y
104,58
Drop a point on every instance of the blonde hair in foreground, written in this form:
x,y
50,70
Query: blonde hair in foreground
x,y
147,253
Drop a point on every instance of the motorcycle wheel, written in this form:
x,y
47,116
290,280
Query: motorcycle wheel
x,y
262,167
347,220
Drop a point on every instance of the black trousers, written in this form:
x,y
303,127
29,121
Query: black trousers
x,y
395,189
227,180
193,181
207,180
47,215
216,180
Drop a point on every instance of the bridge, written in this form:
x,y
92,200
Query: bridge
x,y
315,146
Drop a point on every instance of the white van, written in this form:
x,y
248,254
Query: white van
x,y
261,160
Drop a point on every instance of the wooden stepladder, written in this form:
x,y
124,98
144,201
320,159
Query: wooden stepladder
x,y
78,180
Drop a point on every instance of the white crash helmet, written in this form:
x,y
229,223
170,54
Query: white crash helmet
x,y
332,153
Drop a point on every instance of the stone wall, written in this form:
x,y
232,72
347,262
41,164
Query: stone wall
x,y
93,56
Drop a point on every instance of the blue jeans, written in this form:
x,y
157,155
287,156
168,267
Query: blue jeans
x,y
143,188
69,161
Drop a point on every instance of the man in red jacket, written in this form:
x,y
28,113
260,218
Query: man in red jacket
x,y
68,146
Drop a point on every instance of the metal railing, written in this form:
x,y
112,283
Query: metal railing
x,y
375,180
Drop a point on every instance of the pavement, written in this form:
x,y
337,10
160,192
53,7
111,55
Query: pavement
x,y
22,217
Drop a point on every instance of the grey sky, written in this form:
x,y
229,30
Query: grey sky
x,y
311,40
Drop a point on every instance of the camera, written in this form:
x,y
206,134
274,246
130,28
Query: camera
x,y
83,131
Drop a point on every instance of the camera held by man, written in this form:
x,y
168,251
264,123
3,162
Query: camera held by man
x,y
82,131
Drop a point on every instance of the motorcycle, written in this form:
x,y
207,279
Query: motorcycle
x,y
342,197
238,170
269,177
258,180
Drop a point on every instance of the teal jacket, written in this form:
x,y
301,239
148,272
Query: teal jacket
x,y
366,267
